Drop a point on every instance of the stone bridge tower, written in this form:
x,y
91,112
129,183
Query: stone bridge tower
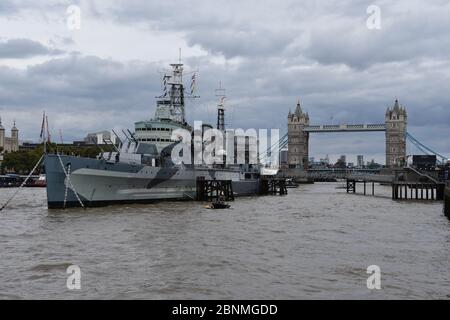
x,y
396,128
298,139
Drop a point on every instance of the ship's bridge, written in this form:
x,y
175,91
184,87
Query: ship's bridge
x,y
157,132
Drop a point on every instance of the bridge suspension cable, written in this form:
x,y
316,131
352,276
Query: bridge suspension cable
x,y
282,143
425,149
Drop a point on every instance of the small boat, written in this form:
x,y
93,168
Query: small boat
x,y
37,183
218,204
10,181
290,183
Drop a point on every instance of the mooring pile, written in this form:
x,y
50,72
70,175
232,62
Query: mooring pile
x,y
447,200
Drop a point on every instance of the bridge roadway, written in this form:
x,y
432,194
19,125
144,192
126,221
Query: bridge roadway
x,y
345,128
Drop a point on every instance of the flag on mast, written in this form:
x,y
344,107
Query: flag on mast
x,y
165,84
42,126
193,84
48,131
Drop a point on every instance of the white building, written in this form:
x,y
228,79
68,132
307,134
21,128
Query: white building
x,y
99,137
360,161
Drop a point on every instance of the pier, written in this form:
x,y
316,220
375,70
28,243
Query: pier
x,y
351,186
368,182
418,191
407,184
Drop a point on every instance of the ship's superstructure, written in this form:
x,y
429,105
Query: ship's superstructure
x,y
220,92
170,111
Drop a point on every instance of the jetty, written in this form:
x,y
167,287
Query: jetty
x,y
407,184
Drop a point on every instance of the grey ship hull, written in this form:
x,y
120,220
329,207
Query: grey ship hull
x,y
100,183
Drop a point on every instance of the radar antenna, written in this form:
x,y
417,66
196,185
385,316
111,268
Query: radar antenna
x,y
174,93
221,93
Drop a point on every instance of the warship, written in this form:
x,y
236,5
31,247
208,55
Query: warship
x,y
140,169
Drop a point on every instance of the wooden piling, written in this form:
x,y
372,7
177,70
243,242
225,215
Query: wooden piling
x,y
447,201
273,187
440,192
351,186
209,190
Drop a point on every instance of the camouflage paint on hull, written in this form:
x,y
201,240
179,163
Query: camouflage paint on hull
x,y
99,183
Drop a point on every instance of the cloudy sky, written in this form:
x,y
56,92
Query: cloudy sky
x,y
267,54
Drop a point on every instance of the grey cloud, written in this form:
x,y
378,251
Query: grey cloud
x,y
16,6
7,7
79,94
329,32
406,34
235,43
57,41
24,48
84,94
232,28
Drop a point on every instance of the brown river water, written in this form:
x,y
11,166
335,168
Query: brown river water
x,y
314,243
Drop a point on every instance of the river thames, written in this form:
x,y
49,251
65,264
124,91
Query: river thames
x,y
314,243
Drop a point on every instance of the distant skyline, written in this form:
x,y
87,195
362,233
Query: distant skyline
x,y
266,54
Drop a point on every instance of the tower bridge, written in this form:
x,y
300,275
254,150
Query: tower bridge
x,y
395,128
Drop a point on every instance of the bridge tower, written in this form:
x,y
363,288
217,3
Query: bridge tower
x,y
396,128
298,139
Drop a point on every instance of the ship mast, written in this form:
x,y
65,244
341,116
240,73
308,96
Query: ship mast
x,y
221,108
176,93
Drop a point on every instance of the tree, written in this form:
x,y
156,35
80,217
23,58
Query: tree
x,y
20,161
23,161
340,164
